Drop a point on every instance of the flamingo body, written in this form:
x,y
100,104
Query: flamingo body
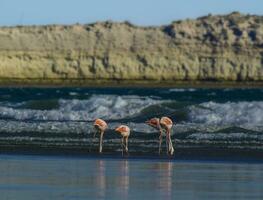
x,y
101,126
125,133
154,122
164,123
123,130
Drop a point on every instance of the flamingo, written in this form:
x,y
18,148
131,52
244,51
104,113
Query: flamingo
x,y
125,132
100,125
164,123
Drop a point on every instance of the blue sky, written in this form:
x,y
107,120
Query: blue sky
x,y
140,12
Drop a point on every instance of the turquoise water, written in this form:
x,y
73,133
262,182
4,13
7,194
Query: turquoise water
x,y
58,177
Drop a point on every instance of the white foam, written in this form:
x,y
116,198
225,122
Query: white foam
x,y
73,93
225,136
103,106
49,127
182,90
230,113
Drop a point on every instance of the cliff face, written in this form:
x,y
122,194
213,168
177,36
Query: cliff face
x,y
222,48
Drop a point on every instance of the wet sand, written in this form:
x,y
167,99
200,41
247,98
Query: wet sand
x,y
70,177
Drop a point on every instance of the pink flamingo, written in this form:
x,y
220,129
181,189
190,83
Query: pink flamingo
x,y
164,123
125,133
100,125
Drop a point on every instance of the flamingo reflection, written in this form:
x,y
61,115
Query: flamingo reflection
x,y
165,174
123,179
101,178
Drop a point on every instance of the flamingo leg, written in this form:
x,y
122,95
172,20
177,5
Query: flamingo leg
x,y
101,140
171,149
91,139
167,142
126,144
122,144
160,143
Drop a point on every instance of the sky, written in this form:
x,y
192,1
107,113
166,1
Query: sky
x,y
139,12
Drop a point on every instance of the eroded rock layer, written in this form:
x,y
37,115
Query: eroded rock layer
x,y
211,48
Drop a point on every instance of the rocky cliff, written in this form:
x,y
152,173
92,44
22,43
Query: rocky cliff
x,y
210,48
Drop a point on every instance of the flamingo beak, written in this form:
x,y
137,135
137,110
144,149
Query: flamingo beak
x,y
147,122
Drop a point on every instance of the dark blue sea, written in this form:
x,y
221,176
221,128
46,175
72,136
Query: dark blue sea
x,y
47,149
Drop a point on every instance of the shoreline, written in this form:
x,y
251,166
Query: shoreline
x,y
181,154
82,83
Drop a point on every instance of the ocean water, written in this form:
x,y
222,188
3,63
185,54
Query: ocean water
x,y
47,149
207,121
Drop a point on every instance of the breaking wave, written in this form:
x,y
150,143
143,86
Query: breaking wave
x,y
108,107
230,113
202,118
